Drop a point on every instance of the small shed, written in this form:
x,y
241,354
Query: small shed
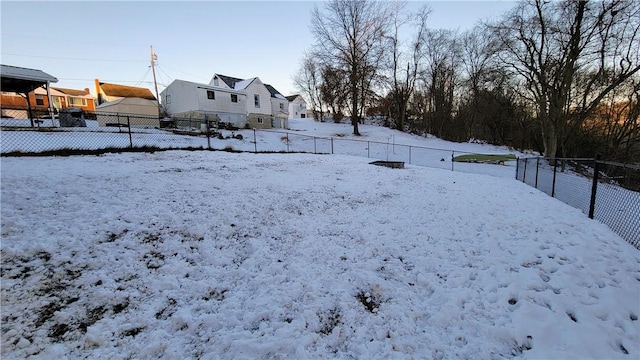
x,y
141,112
23,81
137,105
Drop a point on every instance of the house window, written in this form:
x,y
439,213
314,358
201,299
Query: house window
x,y
256,100
234,98
211,95
215,81
260,121
39,99
77,101
167,99
281,106
56,102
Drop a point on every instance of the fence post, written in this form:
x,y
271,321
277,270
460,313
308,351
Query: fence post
x,y
517,167
208,132
369,150
452,156
594,187
255,141
524,172
331,146
129,127
315,151
537,170
409,154
553,184
287,142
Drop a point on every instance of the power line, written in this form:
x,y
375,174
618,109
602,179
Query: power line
x,y
107,80
72,59
40,37
180,71
143,77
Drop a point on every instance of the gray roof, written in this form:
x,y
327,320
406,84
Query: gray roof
x,y
230,81
22,80
273,91
15,72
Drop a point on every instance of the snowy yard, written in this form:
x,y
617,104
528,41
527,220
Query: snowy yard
x,y
217,255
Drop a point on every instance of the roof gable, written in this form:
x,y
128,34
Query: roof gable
x,y
126,91
207,86
230,81
242,85
72,92
274,93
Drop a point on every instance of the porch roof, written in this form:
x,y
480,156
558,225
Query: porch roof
x,y
23,80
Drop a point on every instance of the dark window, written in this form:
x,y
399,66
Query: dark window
x,y
234,98
211,95
256,100
39,100
260,121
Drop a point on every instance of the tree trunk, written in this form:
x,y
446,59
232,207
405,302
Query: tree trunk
x,y
355,118
550,140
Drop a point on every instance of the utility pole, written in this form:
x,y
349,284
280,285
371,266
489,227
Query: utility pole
x,y
153,70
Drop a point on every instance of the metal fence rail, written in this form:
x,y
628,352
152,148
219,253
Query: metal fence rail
x,y
606,191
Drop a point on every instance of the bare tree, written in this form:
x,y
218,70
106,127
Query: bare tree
x,y
613,128
403,78
308,81
482,74
551,45
440,78
349,35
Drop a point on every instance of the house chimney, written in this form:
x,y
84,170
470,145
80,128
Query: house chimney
x,y
98,95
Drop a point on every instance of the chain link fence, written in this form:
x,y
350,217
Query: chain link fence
x,y
606,191
104,132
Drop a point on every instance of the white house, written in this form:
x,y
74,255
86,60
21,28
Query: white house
x,y
258,105
297,107
279,108
186,99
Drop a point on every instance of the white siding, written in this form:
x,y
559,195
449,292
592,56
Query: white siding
x,y
179,96
219,81
185,96
276,110
131,106
221,101
257,88
297,108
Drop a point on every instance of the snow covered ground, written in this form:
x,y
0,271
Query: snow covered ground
x,y
217,255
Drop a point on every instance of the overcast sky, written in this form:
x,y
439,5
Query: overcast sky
x,y
79,41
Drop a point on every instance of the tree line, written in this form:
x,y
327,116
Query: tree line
x,y
559,77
